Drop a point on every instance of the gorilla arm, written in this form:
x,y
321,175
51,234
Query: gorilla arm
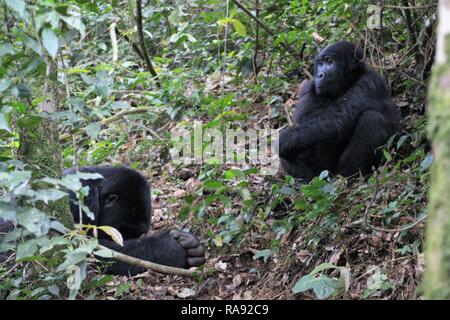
x,y
334,124
323,120
170,248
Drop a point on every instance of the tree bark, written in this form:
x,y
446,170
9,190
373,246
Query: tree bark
x,y
437,251
40,149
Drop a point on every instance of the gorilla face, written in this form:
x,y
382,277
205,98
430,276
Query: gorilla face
x,y
336,69
124,193
328,72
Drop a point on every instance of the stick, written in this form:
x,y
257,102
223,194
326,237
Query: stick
x,y
147,264
251,15
106,121
142,42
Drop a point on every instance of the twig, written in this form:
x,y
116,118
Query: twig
x,y
106,121
366,213
256,48
390,6
251,15
133,45
112,35
288,116
407,227
148,265
142,42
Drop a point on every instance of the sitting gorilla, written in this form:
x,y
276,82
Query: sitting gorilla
x,y
343,116
122,200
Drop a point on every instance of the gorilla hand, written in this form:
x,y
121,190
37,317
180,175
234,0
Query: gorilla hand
x,y
195,253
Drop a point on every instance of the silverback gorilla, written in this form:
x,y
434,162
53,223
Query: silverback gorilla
x,y
342,117
122,200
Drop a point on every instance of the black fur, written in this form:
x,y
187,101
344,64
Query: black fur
x,y
122,200
343,116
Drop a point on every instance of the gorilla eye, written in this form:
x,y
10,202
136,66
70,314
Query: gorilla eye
x,y
110,198
328,60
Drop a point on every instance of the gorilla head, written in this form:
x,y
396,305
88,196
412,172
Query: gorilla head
x,y
121,193
122,200
336,68
341,119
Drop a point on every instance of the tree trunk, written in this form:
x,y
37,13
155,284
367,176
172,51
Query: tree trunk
x,y
40,149
437,274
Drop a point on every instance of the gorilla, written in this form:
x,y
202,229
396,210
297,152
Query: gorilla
x,y
341,119
122,200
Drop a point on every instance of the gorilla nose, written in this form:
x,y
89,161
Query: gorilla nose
x,y
320,76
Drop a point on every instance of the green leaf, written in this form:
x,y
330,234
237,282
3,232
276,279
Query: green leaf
x,y
211,184
322,286
33,44
54,290
50,41
6,48
17,5
34,220
287,191
76,23
426,163
96,283
76,277
72,258
123,288
26,249
47,195
4,123
265,254
93,129
7,211
239,27
387,156
305,283
5,84
104,253
115,234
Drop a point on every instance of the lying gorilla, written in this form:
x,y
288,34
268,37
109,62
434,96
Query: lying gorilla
x,y
122,200
342,118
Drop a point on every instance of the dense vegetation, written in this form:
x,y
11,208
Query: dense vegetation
x,y
105,82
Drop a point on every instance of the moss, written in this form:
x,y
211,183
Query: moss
x,y
40,150
437,275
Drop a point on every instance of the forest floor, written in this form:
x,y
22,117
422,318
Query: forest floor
x,y
384,262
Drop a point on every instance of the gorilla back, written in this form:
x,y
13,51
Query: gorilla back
x,y
122,200
341,119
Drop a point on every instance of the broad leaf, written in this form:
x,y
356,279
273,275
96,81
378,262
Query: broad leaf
x,y
17,5
26,249
50,41
93,129
115,235
4,123
239,27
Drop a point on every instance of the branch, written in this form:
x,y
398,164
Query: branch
x,y
134,45
147,264
106,121
142,41
255,55
251,15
